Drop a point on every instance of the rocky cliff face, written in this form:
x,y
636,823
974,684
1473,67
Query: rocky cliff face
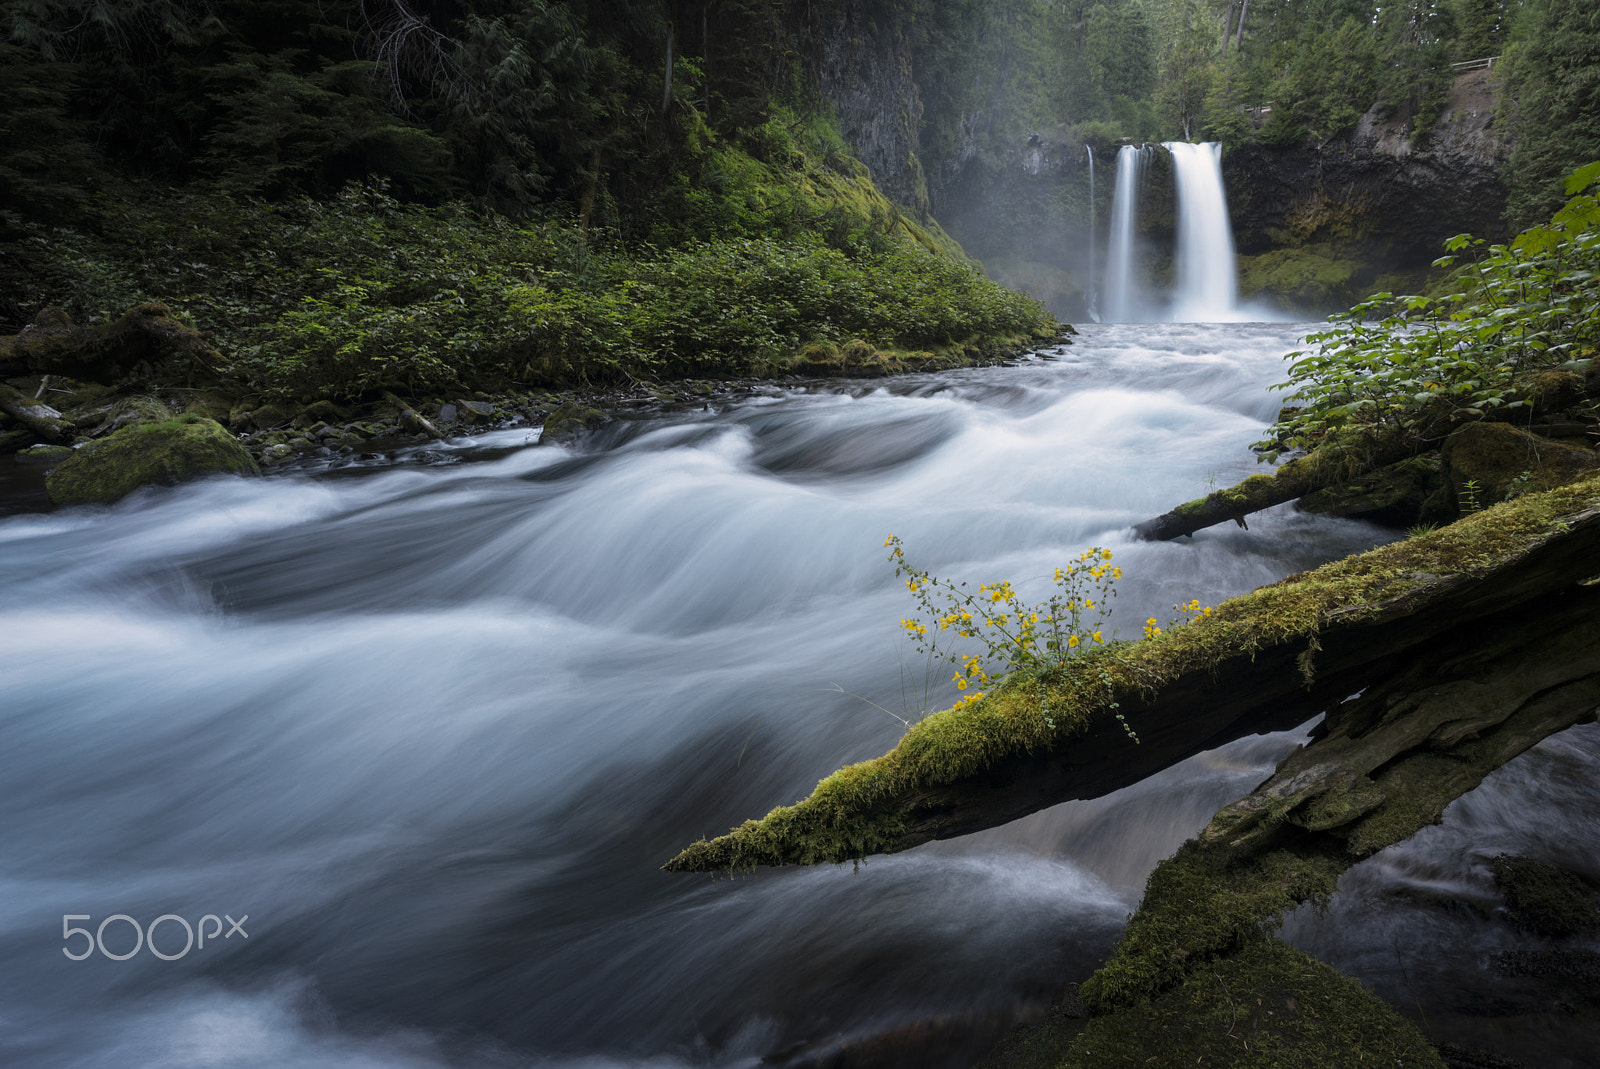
x,y
1373,196
861,65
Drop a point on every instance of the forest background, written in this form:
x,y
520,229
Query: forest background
x,y
352,195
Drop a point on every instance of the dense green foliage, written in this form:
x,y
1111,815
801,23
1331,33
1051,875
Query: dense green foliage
x,y
363,194
1553,78
1525,309
360,293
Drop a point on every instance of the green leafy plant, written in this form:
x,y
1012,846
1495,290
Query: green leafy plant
x,y
1526,308
1013,635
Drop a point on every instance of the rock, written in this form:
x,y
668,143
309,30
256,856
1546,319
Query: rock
x,y
44,454
447,412
1545,899
211,405
268,416
326,412
569,422
1393,495
170,451
274,453
1486,463
477,410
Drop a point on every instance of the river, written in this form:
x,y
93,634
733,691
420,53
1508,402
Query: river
x,y
433,725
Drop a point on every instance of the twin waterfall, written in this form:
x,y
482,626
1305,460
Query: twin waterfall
x,y
1206,285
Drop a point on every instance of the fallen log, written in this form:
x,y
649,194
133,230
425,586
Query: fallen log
x,y
143,335
1265,661
1356,452
38,417
1326,466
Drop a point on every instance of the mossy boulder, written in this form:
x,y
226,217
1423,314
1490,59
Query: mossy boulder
x,y
1486,463
568,423
1266,1005
1546,899
166,452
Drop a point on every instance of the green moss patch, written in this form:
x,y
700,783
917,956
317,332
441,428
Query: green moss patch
x,y
1269,1006
1545,899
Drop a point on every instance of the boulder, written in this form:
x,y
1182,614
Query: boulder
x,y
567,423
1486,463
143,454
44,454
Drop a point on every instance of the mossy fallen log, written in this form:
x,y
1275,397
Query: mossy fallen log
x,y
145,334
39,418
1327,466
1264,661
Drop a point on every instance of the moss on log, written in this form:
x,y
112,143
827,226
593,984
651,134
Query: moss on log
x,y
1268,660
143,335
1329,465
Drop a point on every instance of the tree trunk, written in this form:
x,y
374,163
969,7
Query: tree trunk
x,y
1238,44
666,81
1227,27
1422,625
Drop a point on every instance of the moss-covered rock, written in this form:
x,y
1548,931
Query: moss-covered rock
x,y
1544,898
1485,463
165,452
1266,1005
567,423
44,454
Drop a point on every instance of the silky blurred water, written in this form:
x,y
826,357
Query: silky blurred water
x,y
435,727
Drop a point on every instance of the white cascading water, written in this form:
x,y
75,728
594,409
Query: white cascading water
x,y
434,726
1091,296
1208,283
1123,293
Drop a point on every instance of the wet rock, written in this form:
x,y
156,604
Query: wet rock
x,y
477,410
170,451
44,454
569,422
274,453
447,412
1546,899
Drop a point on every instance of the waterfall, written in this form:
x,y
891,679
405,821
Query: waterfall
x,y
1124,297
1091,291
1207,284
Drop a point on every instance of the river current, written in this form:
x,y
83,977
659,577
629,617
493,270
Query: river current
x,y
433,726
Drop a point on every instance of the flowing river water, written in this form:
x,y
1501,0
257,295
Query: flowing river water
x,y
434,726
